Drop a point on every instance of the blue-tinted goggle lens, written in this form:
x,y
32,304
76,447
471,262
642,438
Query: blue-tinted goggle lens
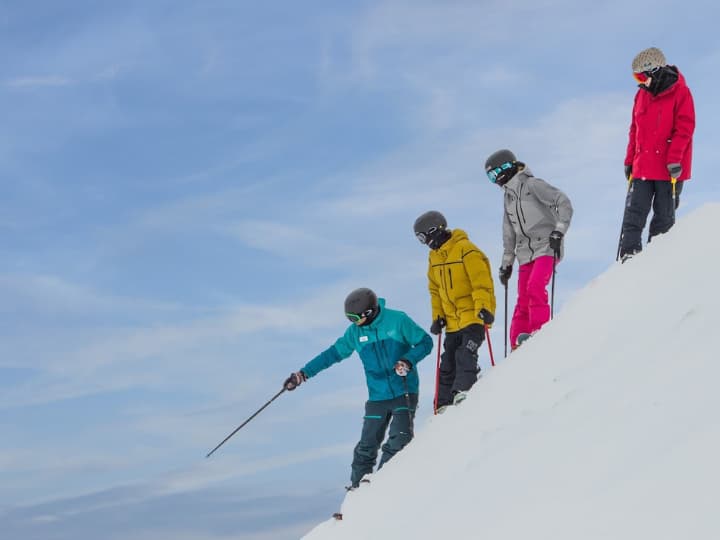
x,y
494,173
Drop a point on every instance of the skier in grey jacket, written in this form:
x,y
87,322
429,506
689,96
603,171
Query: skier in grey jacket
x,y
536,218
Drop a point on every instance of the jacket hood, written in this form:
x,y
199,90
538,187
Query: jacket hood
x,y
380,316
681,77
457,234
681,80
677,80
515,180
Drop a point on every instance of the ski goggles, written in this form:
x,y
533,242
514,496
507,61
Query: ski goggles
x,y
356,317
494,173
643,76
424,237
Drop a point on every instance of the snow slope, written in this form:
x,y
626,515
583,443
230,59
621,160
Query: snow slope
x,y
605,425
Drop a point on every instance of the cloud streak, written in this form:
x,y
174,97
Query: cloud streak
x,y
30,83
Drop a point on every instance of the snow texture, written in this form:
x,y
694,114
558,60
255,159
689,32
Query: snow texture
x,y
604,425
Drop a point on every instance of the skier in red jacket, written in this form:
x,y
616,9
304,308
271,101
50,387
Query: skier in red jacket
x,y
659,152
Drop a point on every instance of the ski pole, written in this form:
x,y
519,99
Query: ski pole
x,y
552,289
437,375
506,318
407,402
245,422
673,181
487,335
622,225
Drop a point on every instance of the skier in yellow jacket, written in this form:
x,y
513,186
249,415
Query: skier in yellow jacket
x,y
463,302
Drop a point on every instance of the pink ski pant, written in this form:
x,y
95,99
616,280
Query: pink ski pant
x,y
532,309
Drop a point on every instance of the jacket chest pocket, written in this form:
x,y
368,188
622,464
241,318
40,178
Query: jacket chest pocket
x,y
511,208
446,277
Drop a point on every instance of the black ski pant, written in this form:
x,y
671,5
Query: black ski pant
x,y
378,415
459,362
642,196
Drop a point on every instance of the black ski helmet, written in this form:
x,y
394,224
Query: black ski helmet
x,y
362,302
499,158
431,229
501,166
428,220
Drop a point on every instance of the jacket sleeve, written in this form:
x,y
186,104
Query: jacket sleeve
x,y
478,270
434,287
683,126
630,152
337,352
419,340
508,242
554,199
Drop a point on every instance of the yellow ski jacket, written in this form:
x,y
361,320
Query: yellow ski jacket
x,y
460,282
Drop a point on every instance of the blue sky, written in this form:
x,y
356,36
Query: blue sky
x,y
189,190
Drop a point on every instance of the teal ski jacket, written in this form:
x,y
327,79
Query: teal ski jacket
x,y
391,336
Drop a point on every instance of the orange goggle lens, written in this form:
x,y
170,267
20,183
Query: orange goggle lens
x,y
641,77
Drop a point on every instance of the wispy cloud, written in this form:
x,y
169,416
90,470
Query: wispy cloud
x,y
211,472
46,81
53,293
205,474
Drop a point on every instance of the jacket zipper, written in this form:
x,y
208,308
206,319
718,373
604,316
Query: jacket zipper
x,y
450,274
521,218
383,357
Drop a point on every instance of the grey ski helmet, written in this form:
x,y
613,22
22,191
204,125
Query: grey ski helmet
x,y
361,303
429,220
648,60
499,158
431,229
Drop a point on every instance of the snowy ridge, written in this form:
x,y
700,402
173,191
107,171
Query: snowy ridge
x,y
603,426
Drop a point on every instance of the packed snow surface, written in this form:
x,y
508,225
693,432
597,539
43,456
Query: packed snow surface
x,y
604,425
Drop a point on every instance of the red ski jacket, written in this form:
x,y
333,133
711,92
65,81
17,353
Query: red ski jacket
x,y
661,132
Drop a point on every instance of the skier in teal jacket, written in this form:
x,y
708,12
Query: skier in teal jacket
x,y
389,344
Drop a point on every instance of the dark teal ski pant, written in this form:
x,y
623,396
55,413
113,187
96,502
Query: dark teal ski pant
x,y
378,415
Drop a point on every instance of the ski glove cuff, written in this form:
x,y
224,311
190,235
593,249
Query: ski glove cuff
x,y
402,367
556,241
294,380
504,274
675,170
486,317
437,326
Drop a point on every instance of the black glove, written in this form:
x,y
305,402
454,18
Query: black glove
x,y
294,380
628,171
504,275
486,317
437,326
556,241
675,170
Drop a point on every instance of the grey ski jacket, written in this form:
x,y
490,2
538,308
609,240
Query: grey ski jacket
x,y
533,209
